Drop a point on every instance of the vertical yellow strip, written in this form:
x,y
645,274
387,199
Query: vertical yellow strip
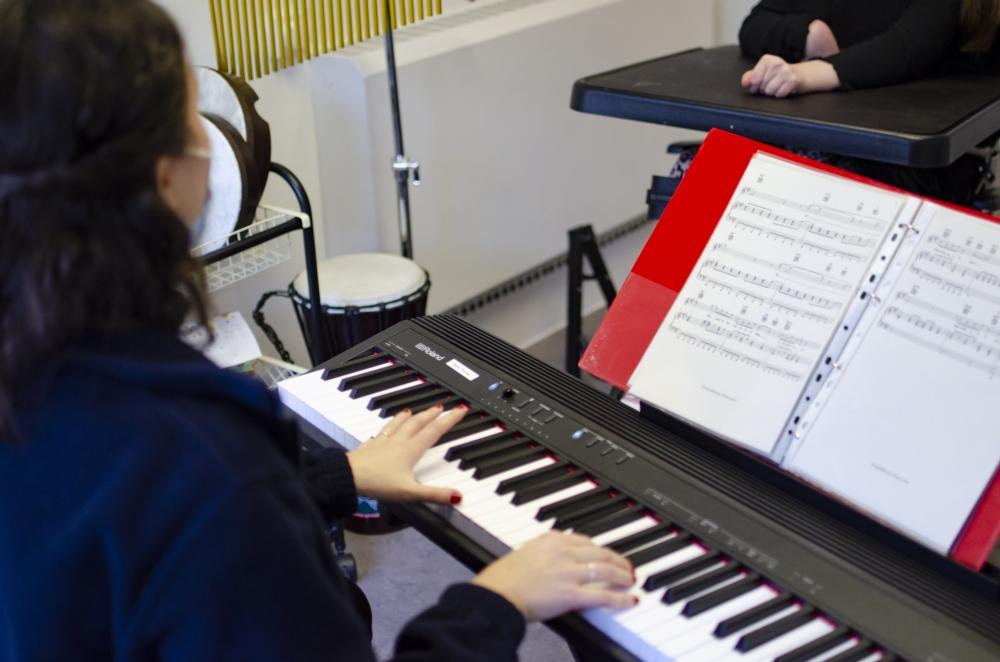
x,y
314,26
420,9
231,45
438,7
262,26
330,27
349,22
366,23
286,6
244,29
303,25
411,15
256,38
219,61
341,39
234,24
376,18
273,36
392,14
322,44
359,32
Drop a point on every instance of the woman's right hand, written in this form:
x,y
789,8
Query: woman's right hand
x,y
560,572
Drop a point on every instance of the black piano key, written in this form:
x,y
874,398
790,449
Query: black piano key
x,y
536,477
681,572
593,512
772,631
860,651
479,447
659,550
818,647
351,383
404,397
529,494
750,616
509,461
610,522
700,583
354,365
469,426
661,530
442,397
389,381
571,504
505,444
721,596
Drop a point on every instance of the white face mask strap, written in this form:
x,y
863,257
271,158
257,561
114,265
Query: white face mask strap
x,y
198,153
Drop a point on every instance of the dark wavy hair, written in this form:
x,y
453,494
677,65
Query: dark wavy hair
x,y
93,94
978,23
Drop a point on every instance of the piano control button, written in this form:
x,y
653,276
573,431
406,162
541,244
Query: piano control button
x,y
682,572
623,458
608,450
547,418
817,647
522,402
590,443
541,409
752,616
509,393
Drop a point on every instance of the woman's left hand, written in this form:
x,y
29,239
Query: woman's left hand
x,y
383,465
774,77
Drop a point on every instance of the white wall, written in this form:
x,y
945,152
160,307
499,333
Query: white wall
x,y
288,102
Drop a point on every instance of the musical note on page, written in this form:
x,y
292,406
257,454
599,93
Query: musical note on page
x,y
768,292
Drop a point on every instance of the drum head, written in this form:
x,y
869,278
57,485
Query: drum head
x,y
364,279
233,100
228,207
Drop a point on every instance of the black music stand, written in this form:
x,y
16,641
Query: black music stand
x,y
928,123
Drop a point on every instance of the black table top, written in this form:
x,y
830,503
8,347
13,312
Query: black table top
x,y
924,123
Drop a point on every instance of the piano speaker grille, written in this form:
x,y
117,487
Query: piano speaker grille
x,y
254,38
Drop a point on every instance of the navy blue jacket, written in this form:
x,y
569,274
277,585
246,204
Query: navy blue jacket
x,y
152,509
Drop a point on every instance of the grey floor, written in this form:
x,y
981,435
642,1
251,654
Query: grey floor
x,y
403,573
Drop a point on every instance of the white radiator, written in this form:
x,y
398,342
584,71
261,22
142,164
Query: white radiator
x,y
507,166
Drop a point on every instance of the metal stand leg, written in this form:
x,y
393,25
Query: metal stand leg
x,y
583,244
345,560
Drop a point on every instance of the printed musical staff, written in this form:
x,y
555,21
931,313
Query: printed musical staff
x,y
737,357
827,213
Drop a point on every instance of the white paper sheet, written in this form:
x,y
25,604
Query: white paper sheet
x,y
234,342
910,429
760,306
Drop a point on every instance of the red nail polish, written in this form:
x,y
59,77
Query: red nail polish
x,y
405,411
464,407
456,499
635,599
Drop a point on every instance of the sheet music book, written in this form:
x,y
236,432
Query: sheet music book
x,y
848,332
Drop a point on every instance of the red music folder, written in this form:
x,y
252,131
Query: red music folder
x,y
846,330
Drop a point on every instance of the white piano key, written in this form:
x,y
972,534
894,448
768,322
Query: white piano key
x,y
650,599
836,650
789,641
624,531
519,522
714,649
656,623
697,630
